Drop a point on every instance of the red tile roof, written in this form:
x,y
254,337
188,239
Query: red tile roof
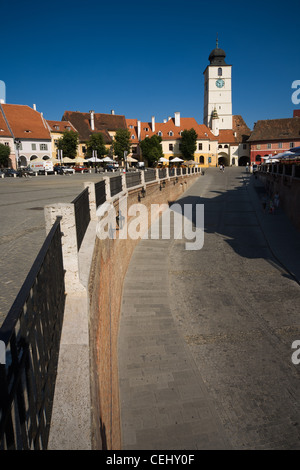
x,y
276,129
60,126
240,127
25,122
4,130
168,127
102,123
226,136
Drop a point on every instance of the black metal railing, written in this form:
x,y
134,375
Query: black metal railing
x,y
184,171
162,173
172,172
133,179
150,174
288,170
115,185
82,215
297,171
31,333
100,194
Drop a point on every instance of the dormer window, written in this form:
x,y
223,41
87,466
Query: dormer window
x,y
68,128
27,132
1,130
171,133
160,133
132,136
146,129
56,128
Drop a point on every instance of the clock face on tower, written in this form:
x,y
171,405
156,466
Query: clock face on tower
x,y
220,83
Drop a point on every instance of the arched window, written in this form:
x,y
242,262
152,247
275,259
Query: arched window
x,y
22,160
160,133
220,71
220,146
33,157
258,158
201,160
171,133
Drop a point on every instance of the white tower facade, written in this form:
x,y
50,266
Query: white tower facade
x,y
217,90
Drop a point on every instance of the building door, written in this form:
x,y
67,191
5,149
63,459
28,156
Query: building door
x,y
244,160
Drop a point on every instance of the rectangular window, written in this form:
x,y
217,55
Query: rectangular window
x,y
200,147
280,145
258,147
43,147
269,146
7,144
171,147
33,146
291,145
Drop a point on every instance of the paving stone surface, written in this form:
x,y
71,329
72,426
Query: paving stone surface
x,y
22,224
208,366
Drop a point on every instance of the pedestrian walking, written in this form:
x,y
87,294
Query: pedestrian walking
x,y
276,200
264,203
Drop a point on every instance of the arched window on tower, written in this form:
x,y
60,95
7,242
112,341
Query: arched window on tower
x,y
220,71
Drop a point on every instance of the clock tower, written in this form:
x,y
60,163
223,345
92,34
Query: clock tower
x,y
217,90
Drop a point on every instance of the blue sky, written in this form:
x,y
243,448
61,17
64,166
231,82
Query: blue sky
x,y
147,59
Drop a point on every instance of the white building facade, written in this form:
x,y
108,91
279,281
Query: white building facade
x,y
31,150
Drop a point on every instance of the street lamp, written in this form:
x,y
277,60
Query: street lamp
x,y
60,156
125,158
95,159
18,145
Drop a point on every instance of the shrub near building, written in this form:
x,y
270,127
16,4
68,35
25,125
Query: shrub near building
x,y
4,155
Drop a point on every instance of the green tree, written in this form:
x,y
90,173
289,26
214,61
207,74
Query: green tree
x,y
188,143
4,154
96,142
152,149
121,142
68,143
